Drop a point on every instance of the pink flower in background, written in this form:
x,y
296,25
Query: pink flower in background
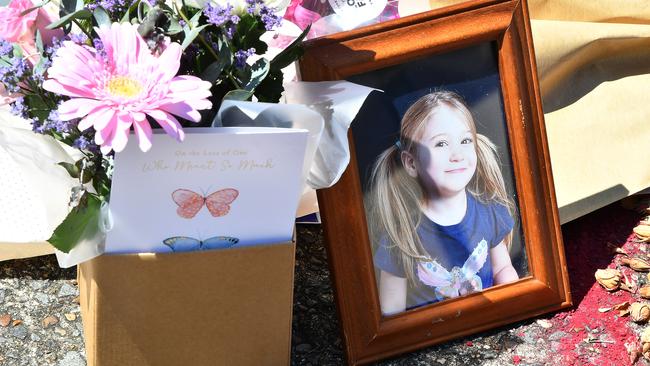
x,y
13,26
21,29
118,87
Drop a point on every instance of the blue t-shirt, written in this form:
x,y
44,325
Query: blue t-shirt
x,y
451,246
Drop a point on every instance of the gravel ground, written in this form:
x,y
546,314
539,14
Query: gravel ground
x,y
40,321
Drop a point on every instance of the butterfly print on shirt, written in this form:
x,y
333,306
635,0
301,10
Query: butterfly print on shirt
x,y
190,203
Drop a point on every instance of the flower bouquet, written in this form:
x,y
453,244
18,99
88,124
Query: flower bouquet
x,y
86,73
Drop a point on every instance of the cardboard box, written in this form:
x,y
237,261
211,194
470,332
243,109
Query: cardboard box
x,y
224,307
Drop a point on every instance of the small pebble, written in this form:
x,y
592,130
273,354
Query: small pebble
x,y
303,348
42,298
60,331
67,290
70,316
19,332
2,296
72,358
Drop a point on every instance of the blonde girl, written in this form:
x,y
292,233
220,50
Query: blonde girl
x,y
438,207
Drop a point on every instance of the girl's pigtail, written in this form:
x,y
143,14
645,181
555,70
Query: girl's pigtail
x,y
393,206
488,184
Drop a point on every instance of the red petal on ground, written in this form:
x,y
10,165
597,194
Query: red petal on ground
x,y
592,337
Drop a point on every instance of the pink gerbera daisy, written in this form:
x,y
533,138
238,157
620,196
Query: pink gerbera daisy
x,y
118,87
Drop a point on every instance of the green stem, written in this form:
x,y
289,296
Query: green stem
x,y
88,34
234,81
200,37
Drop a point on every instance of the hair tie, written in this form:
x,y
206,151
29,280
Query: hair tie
x,y
398,144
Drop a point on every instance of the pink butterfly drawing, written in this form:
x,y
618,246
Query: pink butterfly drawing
x,y
190,203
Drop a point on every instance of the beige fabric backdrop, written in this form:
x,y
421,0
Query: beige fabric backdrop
x,y
593,60
593,63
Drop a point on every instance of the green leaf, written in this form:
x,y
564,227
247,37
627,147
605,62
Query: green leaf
x,y
82,222
259,70
194,20
238,94
79,14
174,27
101,17
39,42
214,70
102,184
127,16
249,31
190,35
70,6
270,89
72,169
143,9
291,53
37,106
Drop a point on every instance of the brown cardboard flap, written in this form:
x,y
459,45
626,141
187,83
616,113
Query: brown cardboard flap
x,y
225,307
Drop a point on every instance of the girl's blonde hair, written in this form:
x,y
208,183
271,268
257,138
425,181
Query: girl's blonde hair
x,y
395,196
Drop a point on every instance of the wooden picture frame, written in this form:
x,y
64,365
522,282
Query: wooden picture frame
x,y
368,335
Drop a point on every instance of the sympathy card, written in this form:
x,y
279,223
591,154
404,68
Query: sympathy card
x,y
220,188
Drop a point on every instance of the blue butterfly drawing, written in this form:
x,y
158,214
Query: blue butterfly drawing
x,y
187,244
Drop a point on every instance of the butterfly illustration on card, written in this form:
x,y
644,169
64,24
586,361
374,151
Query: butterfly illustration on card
x,y
190,203
458,281
188,244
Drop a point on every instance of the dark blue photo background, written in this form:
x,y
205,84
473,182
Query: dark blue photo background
x,y
472,72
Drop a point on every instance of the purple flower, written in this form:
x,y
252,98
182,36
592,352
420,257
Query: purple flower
x,y
218,15
81,142
230,31
11,75
20,66
6,48
55,123
266,14
18,107
241,56
79,38
269,18
99,47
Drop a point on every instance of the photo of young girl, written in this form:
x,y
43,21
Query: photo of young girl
x,y
439,213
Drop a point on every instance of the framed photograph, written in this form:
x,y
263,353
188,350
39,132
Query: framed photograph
x,y
445,222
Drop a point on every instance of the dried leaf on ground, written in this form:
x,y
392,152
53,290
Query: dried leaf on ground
x,y
623,308
628,285
16,322
609,278
49,321
639,312
644,291
5,319
637,263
